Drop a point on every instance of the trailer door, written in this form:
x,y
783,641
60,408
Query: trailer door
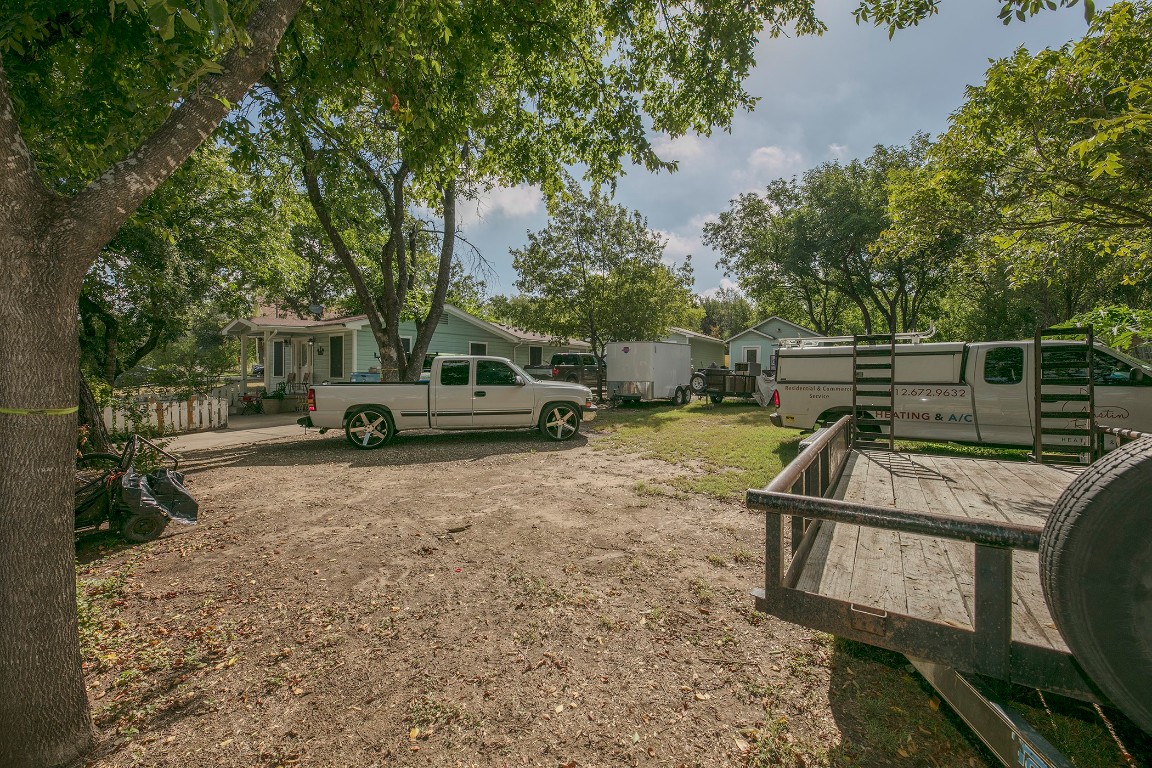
x,y
1002,392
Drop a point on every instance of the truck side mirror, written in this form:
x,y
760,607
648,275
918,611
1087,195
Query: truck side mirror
x,y
520,380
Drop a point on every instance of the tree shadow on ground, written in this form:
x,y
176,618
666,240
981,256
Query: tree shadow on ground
x,y
406,449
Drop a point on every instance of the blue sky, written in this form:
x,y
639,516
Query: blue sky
x,y
832,97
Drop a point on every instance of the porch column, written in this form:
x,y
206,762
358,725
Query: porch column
x,y
244,364
268,361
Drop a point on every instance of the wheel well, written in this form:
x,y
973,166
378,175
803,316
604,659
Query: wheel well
x,y
575,406
832,415
353,409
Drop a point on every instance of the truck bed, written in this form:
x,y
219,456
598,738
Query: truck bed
x,y
930,578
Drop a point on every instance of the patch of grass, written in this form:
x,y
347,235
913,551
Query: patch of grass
x,y
997,453
774,746
702,590
717,561
732,446
743,557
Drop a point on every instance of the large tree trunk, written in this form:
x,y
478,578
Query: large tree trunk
x,y
47,243
43,708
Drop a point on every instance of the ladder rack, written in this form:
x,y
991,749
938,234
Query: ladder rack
x,y
914,337
1065,400
873,391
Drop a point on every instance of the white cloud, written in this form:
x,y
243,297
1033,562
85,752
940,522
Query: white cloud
x,y
765,164
678,245
725,284
502,202
687,147
774,161
838,151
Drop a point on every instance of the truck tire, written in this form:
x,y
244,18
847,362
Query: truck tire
x,y
560,421
1094,568
369,427
572,378
698,383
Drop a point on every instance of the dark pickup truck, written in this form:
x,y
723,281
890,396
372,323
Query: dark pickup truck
x,y
573,367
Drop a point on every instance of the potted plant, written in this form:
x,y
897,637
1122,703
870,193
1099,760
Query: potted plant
x,y
271,401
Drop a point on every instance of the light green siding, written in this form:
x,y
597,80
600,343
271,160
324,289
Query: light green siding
x,y
765,347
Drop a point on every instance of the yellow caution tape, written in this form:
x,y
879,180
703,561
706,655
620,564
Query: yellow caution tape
x,y
40,411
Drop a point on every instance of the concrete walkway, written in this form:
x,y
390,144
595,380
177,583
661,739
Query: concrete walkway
x,y
241,430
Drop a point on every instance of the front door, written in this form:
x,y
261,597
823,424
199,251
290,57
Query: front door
x,y
497,399
453,394
1002,389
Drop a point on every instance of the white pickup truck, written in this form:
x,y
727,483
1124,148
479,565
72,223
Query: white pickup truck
x,y
461,392
957,391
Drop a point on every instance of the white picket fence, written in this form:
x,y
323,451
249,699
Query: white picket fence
x,y
170,416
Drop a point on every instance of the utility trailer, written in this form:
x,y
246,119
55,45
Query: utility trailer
x,y
719,383
643,371
1030,573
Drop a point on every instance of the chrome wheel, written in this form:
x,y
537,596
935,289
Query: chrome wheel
x,y
560,422
368,428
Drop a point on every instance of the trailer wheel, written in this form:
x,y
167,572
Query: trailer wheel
x,y
369,427
678,398
698,383
716,399
1094,568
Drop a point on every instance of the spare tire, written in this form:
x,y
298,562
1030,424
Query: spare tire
x,y
1096,571
698,383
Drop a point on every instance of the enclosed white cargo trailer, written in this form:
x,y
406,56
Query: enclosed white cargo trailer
x,y
639,371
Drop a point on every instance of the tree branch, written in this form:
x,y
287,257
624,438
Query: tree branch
x,y
101,208
19,180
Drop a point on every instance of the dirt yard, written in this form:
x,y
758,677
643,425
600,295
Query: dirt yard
x,y
475,599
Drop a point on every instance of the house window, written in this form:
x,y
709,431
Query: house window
x,y
478,348
535,355
751,354
277,358
336,356
406,342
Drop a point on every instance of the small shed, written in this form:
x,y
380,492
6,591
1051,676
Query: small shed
x,y
759,343
705,349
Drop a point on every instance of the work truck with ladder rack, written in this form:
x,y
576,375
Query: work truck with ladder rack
x,y
1034,573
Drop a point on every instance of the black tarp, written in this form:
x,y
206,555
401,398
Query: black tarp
x,y
162,491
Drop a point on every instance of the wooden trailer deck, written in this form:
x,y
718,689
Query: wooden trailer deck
x,y
925,577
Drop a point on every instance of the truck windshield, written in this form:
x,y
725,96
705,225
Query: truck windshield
x,y
1134,362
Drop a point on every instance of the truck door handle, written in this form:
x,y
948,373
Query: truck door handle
x,y
480,393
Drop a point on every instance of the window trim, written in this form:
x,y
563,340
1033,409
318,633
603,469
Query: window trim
x,y
744,353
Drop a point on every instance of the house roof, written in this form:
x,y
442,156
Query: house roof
x,y
531,337
694,334
756,328
288,325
